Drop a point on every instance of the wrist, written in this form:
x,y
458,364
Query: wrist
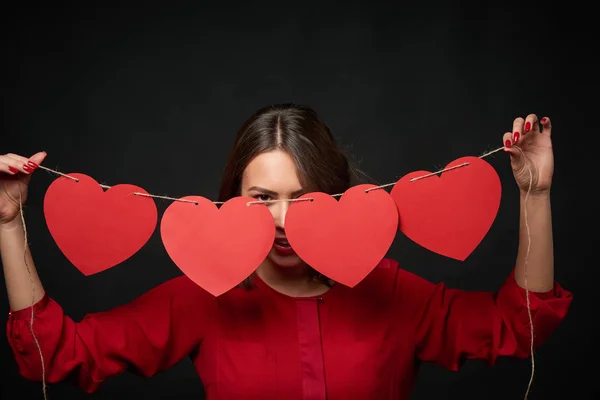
x,y
543,195
12,225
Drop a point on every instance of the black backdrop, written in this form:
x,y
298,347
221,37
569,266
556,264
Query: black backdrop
x,y
153,95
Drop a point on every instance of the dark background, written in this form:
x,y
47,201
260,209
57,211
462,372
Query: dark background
x,y
153,96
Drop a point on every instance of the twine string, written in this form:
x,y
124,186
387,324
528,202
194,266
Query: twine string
x,y
386,184
35,339
531,332
279,200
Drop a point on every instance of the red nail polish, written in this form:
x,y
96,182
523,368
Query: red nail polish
x,y
507,143
13,170
543,120
27,168
516,137
32,164
527,126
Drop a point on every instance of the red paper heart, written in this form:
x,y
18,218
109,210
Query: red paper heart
x,y
217,248
449,215
97,229
346,239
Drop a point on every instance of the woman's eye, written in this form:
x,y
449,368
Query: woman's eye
x,y
262,197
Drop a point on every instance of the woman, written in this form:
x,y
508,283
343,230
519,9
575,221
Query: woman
x,y
288,332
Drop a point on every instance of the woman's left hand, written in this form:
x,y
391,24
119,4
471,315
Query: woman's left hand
x,y
531,157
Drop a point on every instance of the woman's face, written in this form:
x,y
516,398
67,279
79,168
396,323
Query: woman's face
x,y
273,176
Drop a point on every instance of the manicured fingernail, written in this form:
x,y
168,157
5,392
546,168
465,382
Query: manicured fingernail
x,y
27,168
527,126
544,120
516,137
13,170
32,164
507,143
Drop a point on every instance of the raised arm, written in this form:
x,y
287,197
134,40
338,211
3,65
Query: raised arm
x,y
530,148
147,335
22,282
453,325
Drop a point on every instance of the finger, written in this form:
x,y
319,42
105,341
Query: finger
x,y
8,169
517,130
507,139
28,165
17,157
531,124
15,165
37,159
546,126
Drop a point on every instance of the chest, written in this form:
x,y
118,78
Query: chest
x,y
306,349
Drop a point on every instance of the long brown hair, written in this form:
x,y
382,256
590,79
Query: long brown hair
x,y
298,130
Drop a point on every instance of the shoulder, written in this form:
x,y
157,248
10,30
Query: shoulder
x,y
386,273
389,278
381,281
180,290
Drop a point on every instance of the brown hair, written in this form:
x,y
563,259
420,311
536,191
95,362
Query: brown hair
x,y
298,130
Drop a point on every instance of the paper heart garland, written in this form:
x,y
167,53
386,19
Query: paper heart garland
x,y
451,214
217,248
97,229
346,239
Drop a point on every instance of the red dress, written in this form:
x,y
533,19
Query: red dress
x,y
350,343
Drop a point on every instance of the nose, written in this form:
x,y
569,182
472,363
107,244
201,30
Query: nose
x,y
279,210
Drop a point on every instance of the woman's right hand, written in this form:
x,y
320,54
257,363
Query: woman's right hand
x,y
15,174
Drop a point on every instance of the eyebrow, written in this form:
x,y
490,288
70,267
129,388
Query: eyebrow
x,y
272,193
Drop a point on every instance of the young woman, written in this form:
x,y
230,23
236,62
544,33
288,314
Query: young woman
x,y
287,332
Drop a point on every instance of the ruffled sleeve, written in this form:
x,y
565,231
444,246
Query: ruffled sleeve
x,y
147,335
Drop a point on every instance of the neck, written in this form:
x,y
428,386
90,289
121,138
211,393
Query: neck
x,y
293,281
